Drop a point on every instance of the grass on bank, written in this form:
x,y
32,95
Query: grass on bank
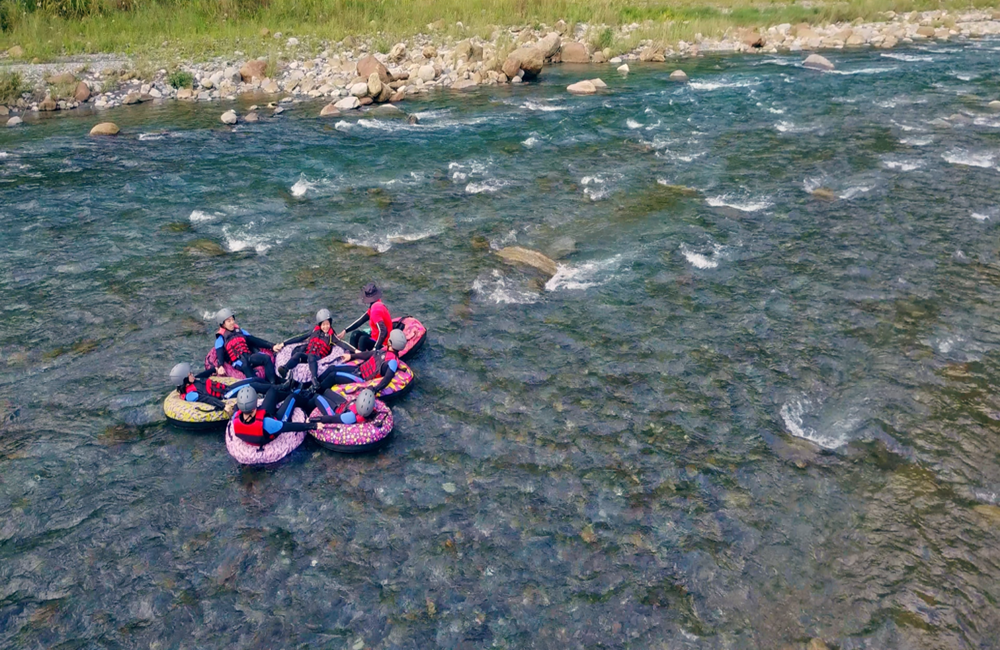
x,y
201,29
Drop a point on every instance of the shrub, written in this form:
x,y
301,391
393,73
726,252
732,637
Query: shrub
x,y
604,39
181,79
11,87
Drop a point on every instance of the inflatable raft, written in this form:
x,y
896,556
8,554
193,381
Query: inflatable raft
x,y
272,452
210,362
196,416
401,383
301,371
356,438
413,329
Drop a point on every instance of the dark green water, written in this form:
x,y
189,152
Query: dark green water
x,y
738,419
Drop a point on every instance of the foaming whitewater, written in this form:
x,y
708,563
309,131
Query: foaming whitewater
x,y
302,186
488,186
201,216
968,158
243,238
913,58
703,259
494,287
743,204
583,275
902,165
373,242
716,85
863,71
543,106
794,414
632,124
597,187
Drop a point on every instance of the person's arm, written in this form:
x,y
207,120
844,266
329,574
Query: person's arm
x,y
277,427
258,343
205,398
388,371
297,339
382,334
221,356
356,324
360,356
206,373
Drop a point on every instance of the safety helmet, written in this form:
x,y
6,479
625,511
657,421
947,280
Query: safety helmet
x,y
246,399
223,314
364,403
322,315
179,373
397,340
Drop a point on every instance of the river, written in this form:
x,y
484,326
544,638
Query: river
x,y
754,406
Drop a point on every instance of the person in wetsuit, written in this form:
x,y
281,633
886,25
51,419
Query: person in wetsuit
x,y
198,388
236,346
322,340
378,363
336,410
259,425
379,321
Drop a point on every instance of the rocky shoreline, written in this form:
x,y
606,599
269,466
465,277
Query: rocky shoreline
x,y
352,76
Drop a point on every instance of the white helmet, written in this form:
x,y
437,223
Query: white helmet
x,y
179,373
322,315
223,315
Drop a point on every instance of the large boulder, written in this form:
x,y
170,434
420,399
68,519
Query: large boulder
x,y
253,69
549,44
330,110
374,85
82,92
370,64
14,121
817,62
63,78
463,84
529,59
105,128
527,257
426,72
360,89
582,88
229,117
574,52
654,53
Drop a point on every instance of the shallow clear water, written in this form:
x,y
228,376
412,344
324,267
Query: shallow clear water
x,y
735,418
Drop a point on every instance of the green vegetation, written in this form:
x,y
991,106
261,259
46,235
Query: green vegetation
x,y
202,28
181,79
11,87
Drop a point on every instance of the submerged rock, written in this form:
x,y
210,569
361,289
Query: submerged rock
x,y
994,105
251,117
14,121
348,103
205,247
824,193
623,68
105,128
527,257
679,76
817,62
330,110
582,88
229,117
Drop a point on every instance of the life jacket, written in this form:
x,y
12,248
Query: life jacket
x,y
213,388
235,344
320,344
370,369
254,432
379,313
353,409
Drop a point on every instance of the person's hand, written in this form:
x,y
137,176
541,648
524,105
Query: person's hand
x,y
277,348
219,370
342,334
230,407
345,358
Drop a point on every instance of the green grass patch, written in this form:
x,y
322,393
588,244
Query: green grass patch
x,y
205,28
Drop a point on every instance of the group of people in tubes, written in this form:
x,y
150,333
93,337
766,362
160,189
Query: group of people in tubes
x,y
259,422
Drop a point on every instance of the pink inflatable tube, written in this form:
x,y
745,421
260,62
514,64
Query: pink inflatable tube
x,y
272,452
356,438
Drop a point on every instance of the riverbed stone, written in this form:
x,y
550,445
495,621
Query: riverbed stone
x,y
549,44
599,83
15,52
185,93
426,72
994,105
330,110
348,103
529,59
14,121
62,78
360,89
599,57
132,98
584,87
817,62
397,53
229,117
105,128
526,257
429,52
623,68
48,104
679,76
253,69
270,86
464,84
82,92
4,111
374,85
251,117
574,52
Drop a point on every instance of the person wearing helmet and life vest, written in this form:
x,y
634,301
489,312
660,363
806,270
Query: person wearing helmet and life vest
x,y
235,345
199,388
379,321
377,364
336,410
322,340
259,425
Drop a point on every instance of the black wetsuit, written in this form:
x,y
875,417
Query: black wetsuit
x,y
247,360
320,345
378,363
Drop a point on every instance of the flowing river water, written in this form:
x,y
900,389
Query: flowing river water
x,y
740,415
